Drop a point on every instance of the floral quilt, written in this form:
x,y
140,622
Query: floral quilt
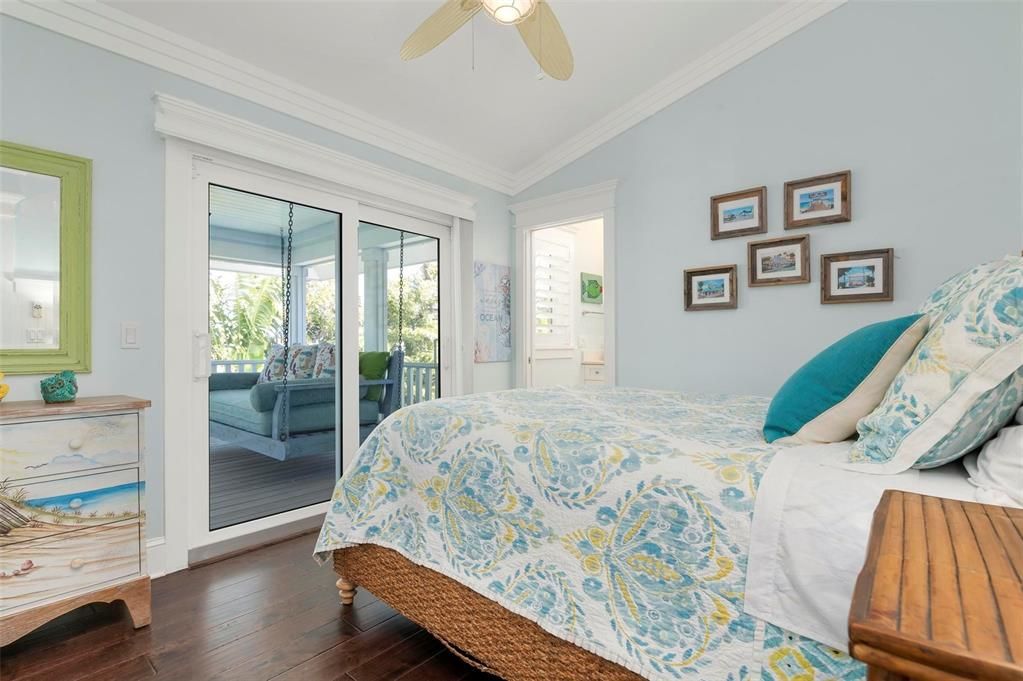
x,y
617,519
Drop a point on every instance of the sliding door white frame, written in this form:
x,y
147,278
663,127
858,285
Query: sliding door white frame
x,y
566,208
201,143
446,293
196,424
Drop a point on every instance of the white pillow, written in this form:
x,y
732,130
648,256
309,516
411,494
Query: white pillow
x,y
997,470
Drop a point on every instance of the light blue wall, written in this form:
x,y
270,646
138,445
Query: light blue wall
x,y
61,94
921,101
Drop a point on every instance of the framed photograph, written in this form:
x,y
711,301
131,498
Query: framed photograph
x,y
779,261
711,288
821,200
739,213
592,288
858,276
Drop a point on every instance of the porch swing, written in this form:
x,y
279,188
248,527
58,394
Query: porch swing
x,y
290,418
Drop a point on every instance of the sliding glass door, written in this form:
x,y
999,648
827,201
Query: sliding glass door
x,y
399,321
273,346
309,327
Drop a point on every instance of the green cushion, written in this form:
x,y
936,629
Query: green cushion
x,y
373,366
825,398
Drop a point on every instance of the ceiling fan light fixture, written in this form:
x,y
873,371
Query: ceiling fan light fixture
x,y
509,12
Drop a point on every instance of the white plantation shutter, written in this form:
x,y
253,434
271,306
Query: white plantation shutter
x,y
553,290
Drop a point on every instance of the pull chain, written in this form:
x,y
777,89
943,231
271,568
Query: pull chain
x,y
401,292
286,289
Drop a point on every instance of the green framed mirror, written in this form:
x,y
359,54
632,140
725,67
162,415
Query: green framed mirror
x,y
45,214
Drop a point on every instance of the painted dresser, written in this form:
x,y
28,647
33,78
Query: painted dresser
x,y
71,510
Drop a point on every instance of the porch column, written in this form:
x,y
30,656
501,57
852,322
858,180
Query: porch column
x,y
374,273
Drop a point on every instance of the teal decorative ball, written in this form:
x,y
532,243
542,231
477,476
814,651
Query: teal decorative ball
x,y
61,387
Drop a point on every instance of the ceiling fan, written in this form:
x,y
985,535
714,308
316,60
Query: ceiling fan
x,y
534,20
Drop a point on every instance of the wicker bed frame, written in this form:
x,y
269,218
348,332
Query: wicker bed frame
x,y
475,628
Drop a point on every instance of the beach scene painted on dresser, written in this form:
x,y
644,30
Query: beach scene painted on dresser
x,y
68,445
59,536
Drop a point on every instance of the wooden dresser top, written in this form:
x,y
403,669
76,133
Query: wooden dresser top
x,y
941,592
82,405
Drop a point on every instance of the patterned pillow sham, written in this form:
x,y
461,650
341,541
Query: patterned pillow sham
x,y
273,368
300,364
963,382
326,361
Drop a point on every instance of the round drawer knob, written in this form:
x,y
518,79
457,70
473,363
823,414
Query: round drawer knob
x,y
75,444
77,563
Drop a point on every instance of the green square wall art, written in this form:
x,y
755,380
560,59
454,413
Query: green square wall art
x,y
592,288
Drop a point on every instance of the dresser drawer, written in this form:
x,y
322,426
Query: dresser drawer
x,y
593,373
60,446
36,510
81,560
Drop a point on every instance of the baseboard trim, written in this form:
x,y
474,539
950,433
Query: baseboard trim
x,y
156,557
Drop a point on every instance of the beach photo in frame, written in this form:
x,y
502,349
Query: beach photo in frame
x,y
820,200
710,288
775,262
858,277
739,213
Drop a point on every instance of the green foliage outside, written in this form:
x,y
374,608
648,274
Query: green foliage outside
x,y
246,310
421,311
245,314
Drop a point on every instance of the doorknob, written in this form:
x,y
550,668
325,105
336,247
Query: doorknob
x,y
200,356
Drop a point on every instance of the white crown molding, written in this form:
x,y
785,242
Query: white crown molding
x,y
745,44
185,120
126,35
574,205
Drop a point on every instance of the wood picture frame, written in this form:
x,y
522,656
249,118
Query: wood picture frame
x,y
715,288
851,277
735,205
777,262
821,200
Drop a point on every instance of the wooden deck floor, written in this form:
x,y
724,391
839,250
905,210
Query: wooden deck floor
x,y
245,485
267,614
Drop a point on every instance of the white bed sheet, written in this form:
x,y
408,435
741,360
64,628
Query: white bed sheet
x,y
810,530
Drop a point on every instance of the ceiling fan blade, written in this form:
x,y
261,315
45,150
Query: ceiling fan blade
x,y
547,42
438,27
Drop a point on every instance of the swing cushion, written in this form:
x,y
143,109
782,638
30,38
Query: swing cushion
x,y
373,366
263,395
237,400
232,408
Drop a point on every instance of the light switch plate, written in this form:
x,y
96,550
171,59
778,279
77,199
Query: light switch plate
x,y
131,338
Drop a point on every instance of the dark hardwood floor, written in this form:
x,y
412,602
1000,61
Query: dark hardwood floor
x,y
271,613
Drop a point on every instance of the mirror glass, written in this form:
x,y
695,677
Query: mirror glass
x,y
29,260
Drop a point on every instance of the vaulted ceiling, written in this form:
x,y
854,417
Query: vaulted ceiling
x,y
476,104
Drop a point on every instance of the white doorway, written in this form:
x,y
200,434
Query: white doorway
x,y
550,226
565,316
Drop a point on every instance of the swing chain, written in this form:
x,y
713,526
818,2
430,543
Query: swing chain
x,y
286,291
401,291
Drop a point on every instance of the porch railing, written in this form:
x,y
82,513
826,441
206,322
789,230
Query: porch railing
x,y
419,383
419,379
236,366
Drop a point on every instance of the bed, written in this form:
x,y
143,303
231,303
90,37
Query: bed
x,y
565,533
